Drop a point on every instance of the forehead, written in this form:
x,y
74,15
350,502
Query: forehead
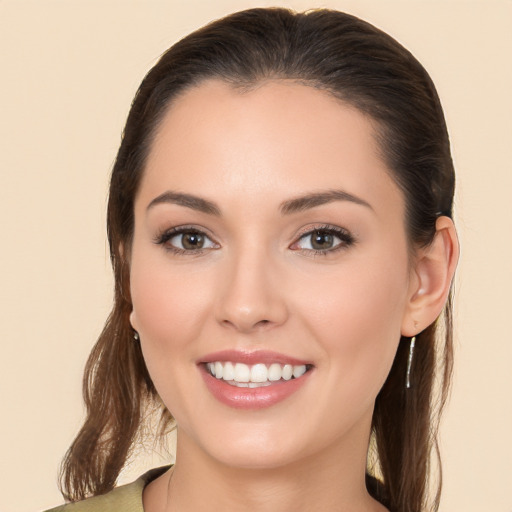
x,y
280,137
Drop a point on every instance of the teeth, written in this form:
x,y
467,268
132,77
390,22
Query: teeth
x,y
287,371
274,372
257,375
298,371
242,372
259,384
218,370
228,371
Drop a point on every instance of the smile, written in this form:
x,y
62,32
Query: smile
x,y
253,376
253,380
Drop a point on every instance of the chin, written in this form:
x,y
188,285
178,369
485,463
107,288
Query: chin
x,y
254,450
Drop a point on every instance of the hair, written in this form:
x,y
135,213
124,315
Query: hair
x,y
363,67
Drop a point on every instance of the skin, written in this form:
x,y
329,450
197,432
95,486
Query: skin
x,y
258,285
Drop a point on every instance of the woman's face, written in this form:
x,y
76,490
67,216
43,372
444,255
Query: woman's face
x,y
269,241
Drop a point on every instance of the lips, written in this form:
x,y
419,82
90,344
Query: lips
x,y
253,380
252,357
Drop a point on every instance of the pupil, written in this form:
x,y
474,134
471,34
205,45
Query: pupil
x,y
192,240
321,240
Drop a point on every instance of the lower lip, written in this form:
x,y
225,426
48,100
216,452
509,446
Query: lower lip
x,y
252,398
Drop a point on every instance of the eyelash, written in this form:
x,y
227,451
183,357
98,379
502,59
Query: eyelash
x,y
346,240
166,236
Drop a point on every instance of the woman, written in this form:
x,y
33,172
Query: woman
x,y
280,230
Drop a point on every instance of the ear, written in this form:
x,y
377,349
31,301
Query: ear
x,y
431,278
124,252
133,321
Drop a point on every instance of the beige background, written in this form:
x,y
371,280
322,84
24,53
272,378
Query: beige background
x,y
68,72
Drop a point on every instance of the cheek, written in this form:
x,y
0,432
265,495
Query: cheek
x,y
167,312
167,306
357,315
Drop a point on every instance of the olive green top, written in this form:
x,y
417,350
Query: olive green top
x,y
126,498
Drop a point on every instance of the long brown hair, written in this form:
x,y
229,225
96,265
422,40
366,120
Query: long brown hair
x,y
361,65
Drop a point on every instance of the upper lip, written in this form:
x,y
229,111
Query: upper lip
x,y
251,357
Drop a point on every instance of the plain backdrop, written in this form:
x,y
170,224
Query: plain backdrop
x,y
69,70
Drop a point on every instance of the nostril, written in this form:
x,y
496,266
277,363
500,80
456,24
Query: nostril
x,y
262,323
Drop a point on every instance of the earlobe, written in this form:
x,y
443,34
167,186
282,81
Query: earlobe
x,y
133,321
433,272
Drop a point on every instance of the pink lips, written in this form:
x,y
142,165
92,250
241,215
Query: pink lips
x,y
251,398
254,357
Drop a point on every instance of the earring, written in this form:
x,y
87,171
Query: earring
x,y
136,336
409,362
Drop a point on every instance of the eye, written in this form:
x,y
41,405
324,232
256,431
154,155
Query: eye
x,y
324,240
190,241
186,240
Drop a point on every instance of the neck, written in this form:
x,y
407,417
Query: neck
x,y
330,481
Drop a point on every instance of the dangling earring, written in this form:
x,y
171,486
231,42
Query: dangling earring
x,y
409,362
136,336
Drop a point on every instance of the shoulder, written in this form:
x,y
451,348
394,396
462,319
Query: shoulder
x,y
125,498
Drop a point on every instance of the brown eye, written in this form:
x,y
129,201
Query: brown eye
x,y
183,240
321,240
192,240
324,241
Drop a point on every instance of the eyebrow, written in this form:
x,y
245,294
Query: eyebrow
x,y
308,201
298,204
187,200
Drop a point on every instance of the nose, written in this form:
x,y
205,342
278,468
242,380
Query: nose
x,y
251,298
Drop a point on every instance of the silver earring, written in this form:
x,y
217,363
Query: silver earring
x,y
136,336
409,362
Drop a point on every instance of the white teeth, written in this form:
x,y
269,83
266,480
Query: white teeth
x,y
228,372
259,384
218,370
259,373
275,371
298,371
243,375
287,371
242,372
